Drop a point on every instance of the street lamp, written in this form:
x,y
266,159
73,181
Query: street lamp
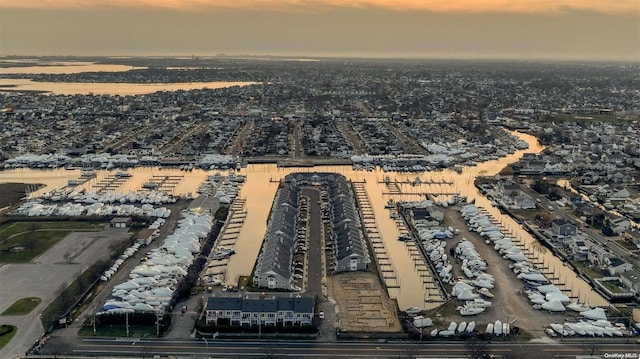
x,y
158,324
207,343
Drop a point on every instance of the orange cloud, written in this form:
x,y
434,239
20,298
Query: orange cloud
x,y
457,6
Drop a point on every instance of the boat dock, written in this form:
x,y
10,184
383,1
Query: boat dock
x,y
434,289
417,181
216,270
231,230
386,268
109,183
165,183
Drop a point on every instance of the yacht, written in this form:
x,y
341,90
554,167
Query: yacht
x,y
470,310
223,253
150,185
404,238
413,310
390,204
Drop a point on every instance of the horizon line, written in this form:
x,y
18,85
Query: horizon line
x,y
223,55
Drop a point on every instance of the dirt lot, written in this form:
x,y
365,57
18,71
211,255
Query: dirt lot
x,y
364,305
508,304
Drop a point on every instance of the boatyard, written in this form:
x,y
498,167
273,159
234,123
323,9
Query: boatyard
x,y
508,301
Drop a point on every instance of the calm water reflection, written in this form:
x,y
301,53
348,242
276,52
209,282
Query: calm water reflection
x,y
77,88
261,185
63,67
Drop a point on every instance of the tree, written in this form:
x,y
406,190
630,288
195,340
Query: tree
x,y
30,242
591,347
65,298
411,352
475,348
608,231
545,219
33,226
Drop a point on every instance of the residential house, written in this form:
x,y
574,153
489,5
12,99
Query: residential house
x,y
562,227
631,279
598,256
633,236
579,247
523,202
619,197
618,266
619,225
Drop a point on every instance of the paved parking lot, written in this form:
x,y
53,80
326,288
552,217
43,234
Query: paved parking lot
x,y
45,276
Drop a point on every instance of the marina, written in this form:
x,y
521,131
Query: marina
x,y
385,163
407,278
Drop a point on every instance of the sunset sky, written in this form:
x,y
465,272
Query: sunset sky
x,y
529,29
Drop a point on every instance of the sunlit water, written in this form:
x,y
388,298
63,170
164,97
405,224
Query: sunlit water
x,y
260,187
82,88
63,67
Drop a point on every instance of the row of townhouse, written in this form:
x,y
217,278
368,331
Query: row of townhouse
x,y
274,268
291,310
351,252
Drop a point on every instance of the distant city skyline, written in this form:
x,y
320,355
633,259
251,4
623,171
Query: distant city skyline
x,y
468,29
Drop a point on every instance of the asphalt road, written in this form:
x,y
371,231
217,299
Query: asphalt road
x,y
315,272
235,349
314,265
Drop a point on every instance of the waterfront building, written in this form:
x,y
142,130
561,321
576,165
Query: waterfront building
x,y
274,267
260,310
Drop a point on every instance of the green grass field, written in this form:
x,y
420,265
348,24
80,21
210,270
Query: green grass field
x,y
22,306
6,333
592,273
9,229
613,285
22,241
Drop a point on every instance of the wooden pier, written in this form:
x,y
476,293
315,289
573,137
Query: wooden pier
x,y
383,261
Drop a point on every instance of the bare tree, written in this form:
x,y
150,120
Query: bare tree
x,y
271,352
33,226
64,296
591,347
475,348
411,352
30,242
